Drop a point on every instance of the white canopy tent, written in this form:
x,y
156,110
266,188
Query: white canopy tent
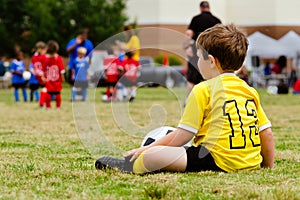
x,y
291,40
266,47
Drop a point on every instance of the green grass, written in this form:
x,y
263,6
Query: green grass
x,y
51,154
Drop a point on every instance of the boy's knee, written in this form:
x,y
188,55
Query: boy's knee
x,y
139,166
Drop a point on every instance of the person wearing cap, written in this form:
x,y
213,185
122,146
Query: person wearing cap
x,y
198,24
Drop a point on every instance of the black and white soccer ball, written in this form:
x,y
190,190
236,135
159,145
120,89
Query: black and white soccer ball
x,y
157,134
26,75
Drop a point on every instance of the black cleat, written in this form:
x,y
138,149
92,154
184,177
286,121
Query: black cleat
x,y
131,99
108,162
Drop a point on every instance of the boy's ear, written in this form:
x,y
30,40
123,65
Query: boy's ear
x,y
212,61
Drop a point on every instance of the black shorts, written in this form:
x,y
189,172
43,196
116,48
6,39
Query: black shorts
x,y
111,84
34,87
193,75
19,85
199,159
53,93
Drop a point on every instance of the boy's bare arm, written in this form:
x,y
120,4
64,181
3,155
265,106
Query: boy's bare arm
x,y
267,148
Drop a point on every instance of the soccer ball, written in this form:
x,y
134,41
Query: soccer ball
x,y
272,89
26,75
158,133
104,98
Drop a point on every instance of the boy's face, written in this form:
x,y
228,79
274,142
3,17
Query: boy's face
x,y
204,66
20,56
41,50
80,55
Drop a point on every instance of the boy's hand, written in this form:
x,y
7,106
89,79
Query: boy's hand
x,y
135,153
79,39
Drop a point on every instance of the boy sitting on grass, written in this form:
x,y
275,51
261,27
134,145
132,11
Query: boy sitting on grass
x,y
223,116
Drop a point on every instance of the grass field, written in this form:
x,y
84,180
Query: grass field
x,y
51,154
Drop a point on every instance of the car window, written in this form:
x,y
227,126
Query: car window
x,y
144,60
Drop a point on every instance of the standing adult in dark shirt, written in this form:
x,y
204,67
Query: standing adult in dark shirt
x,y
198,24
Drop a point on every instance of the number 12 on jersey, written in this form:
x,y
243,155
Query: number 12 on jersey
x,y
242,134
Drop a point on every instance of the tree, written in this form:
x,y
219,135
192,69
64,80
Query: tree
x,y
11,24
23,23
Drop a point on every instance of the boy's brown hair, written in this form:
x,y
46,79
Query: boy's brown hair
x,y
81,50
225,43
129,54
40,45
52,47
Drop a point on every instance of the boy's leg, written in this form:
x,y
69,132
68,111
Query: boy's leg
x,y
58,100
74,92
37,95
125,93
24,92
119,94
151,160
48,98
43,96
16,95
31,95
161,158
132,93
114,92
84,93
107,92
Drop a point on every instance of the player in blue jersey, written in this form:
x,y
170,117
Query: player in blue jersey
x,y
17,67
33,85
80,73
80,41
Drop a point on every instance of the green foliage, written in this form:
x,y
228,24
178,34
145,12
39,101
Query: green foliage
x,y
159,59
173,60
25,22
155,192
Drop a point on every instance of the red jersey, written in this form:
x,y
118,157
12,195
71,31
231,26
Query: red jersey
x,y
53,69
112,67
131,67
296,87
37,63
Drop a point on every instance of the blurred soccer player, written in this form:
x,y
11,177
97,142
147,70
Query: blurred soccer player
x,y
53,70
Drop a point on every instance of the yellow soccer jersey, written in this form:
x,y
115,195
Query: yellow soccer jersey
x,y
226,116
134,44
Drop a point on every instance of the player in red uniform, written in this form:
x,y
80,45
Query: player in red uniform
x,y
296,87
53,69
112,65
131,69
37,61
